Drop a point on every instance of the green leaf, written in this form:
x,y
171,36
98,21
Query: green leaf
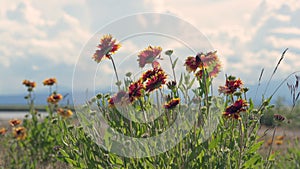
x,y
255,147
251,161
174,63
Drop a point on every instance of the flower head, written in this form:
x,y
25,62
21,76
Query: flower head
x,y
3,131
121,98
54,98
209,61
106,47
154,79
49,82
172,103
231,85
279,117
135,90
19,133
233,111
29,84
149,55
14,122
66,113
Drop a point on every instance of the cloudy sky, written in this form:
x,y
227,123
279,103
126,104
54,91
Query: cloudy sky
x,y
40,39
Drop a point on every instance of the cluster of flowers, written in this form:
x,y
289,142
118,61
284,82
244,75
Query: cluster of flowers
x,y
19,132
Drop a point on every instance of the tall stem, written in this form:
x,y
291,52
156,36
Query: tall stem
x,y
115,69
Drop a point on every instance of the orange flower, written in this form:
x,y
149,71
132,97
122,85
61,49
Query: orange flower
x,y
49,82
19,133
29,84
54,98
106,47
66,113
172,103
14,122
278,142
233,111
149,55
3,131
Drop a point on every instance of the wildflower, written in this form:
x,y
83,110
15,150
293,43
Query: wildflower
x,y
29,84
156,79
148,56
66,113
278,142
14,122
172,103
192,64
210,62
279,117
231,85
3,131
19,133
233,111
106,47
49,82
121,98
54,98
135,90
280,137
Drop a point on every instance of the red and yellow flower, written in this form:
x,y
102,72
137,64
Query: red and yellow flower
x,y
149,56
106,47
14,122
66,113
49,82
135,90
154,79
29,84
119,99
172,103
231,85
19,133
233,111
54,98
3,131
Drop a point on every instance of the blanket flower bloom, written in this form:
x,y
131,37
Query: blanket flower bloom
x,y
172,103
209,61
3,131
149,56
19,133
66,113
54,98
231,85
14,122
29,84
121,98
135,90
106,47
154,79
233,111
49,82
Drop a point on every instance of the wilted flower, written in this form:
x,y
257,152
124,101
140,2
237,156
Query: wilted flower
x,y
171,85
233,111
49,82
19,133
64,112
121,98
231,85
135,90
29,84
54,98
172,103
14,122
149,55
154,79
3,131
106,47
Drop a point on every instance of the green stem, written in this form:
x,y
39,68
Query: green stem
x,y
115,69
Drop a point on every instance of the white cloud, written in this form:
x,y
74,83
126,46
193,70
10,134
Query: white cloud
x,y
286,30
282,42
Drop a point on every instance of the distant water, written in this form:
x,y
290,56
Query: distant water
x,y
16,115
